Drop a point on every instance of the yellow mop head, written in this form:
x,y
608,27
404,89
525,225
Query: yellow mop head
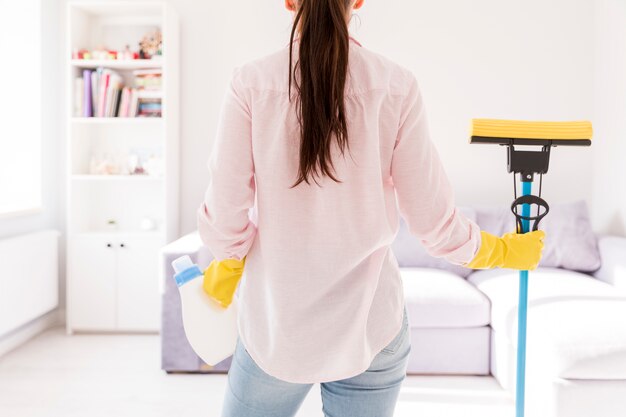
x,y
524,132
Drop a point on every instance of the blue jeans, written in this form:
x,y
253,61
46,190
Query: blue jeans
x,y
251,392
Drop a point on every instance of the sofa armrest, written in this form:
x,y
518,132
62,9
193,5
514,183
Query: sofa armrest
x,y
613,254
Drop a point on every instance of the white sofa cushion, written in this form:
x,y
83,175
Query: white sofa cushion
x,y
576,324
442,299
613,270
453,351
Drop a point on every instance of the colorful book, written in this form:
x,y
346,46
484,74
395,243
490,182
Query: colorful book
x,y
149,107
95,76
79,97
148,79
124,105
87,109
116,102
103,85
134,100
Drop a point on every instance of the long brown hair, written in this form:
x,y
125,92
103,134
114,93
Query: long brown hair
x,y
323,64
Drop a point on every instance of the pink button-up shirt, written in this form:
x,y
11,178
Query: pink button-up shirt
x,y
321,294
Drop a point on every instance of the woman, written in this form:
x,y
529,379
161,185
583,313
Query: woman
x,y
322,299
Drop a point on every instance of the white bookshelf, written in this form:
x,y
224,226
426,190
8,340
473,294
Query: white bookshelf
x,y
118,222
116,64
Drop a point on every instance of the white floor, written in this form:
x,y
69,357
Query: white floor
x,y
56,375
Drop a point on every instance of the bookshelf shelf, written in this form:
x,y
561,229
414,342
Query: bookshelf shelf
x,y
130,64
116,120
117,232
129,178
113,234
117,224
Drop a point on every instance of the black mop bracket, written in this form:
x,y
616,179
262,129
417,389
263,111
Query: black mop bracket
x,y
529,199
527,164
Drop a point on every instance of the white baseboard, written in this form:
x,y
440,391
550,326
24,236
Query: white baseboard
x,y
21,335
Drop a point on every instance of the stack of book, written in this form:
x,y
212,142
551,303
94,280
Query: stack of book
x,y
148,79
102,93
148,84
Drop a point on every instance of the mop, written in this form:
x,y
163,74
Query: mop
x,y
527,163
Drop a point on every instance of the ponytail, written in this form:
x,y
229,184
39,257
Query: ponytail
x,y
323,64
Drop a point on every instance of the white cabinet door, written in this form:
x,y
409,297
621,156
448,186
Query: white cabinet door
x,y
92,283
138,297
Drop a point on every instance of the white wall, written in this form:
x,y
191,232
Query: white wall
x,y
493,59
609,179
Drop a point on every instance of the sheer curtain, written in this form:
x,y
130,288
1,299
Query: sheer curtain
x,y
20,106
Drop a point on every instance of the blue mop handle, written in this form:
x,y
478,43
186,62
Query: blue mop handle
x,y
522,310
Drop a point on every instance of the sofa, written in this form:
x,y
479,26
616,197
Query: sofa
x,y
464,322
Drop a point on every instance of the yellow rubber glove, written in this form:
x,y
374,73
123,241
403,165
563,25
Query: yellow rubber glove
x,y
512,250
221,278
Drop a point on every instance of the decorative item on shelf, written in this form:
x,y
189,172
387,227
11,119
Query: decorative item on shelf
x,y
150,46
106,165
146,160
148,224
81,53
103,53
134,165
127,53
111,224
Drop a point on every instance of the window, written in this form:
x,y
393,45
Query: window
x,y
20,106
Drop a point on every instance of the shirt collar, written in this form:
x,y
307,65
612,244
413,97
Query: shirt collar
x,y
350,36
355,41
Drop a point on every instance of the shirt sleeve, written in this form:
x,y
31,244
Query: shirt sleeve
x,y
423,191
223,221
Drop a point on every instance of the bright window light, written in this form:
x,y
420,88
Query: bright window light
x,y
20,106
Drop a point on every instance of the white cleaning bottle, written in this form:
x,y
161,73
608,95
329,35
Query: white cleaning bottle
x,y
210,328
